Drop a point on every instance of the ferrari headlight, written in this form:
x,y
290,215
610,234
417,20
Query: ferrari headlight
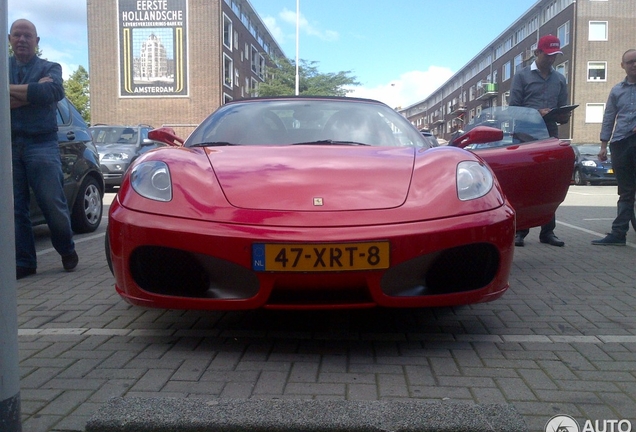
x,y
152,180
474,180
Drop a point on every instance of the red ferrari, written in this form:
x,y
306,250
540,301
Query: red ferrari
x,y
324,203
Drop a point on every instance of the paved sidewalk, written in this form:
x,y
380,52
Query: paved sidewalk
x,y
561,341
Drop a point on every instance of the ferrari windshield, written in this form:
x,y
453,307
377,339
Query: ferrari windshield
x,y
519,125
306,121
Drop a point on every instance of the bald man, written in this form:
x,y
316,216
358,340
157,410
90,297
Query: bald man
x,y
35,87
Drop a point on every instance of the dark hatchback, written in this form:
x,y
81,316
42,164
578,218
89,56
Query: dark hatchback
x,y
83,181
589,169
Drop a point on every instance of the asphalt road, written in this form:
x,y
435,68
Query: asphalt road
x,y
562,340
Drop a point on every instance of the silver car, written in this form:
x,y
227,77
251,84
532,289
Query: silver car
x,y
118,146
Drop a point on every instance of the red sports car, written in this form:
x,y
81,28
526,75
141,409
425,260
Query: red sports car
x,y
323,203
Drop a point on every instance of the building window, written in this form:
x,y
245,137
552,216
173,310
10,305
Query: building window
x,y
594,112
504,99
499,51
508,44
227,32
258,63
563,33
533,24
506,72
518,63
253,87
563,69
228,70
227,98
598,31
596,71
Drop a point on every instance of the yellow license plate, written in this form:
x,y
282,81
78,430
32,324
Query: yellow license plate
x,y
320,257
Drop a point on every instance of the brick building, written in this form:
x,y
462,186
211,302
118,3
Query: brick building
x,y
172,62
594,35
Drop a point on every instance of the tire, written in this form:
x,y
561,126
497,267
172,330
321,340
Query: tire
x,y
578,178
88,207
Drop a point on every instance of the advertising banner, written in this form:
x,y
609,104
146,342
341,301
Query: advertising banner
x,y
153,48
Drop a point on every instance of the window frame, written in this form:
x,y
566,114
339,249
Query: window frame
x,y
565,40
604,68
589,36
228,66
592,117
228,32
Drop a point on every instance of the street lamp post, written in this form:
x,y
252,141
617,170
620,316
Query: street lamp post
x,y
297,32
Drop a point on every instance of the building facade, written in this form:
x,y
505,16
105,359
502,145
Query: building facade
x,y
172,62
594,35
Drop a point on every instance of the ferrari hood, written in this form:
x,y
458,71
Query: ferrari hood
x,y
313,178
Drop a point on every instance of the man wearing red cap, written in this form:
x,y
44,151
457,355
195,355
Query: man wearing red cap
x,y
541,87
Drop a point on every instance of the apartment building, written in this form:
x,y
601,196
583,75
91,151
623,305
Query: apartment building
x,y
172,62
594,35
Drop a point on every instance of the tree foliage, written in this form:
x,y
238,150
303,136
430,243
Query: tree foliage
x,y
77,91
281,80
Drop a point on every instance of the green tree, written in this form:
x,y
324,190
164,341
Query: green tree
x,y
281,80
77,91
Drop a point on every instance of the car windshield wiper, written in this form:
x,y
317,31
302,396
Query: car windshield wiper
x,y
329,141
214,144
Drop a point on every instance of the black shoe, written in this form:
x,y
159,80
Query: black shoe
x,y
22,272
519,240
70,261
552,240
610,240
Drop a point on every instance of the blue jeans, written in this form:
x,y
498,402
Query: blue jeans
x,y
38,166
624,164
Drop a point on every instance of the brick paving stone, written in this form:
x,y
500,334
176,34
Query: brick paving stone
x,y
237,390
270,382
362,392
153,380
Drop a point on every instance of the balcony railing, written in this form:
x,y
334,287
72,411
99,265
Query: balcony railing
x,y
487,91
458,109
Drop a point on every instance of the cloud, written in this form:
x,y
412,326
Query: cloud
x,y
409,89
275,30
289,17
63,20
61,27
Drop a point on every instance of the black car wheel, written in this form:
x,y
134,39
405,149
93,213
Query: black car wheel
x,y
578,178
87,210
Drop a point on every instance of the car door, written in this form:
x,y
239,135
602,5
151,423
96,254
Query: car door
x,y
533,169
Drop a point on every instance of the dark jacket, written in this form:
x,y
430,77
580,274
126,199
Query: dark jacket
x,y
38,118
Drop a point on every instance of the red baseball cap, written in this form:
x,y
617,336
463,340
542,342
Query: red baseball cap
x,y
550,45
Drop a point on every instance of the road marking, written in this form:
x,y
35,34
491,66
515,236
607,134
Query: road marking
x,y
80,240
587,231
459,338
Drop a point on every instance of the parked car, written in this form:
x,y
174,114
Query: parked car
x,y
83,181
428,135
589,169
328,203
119,146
